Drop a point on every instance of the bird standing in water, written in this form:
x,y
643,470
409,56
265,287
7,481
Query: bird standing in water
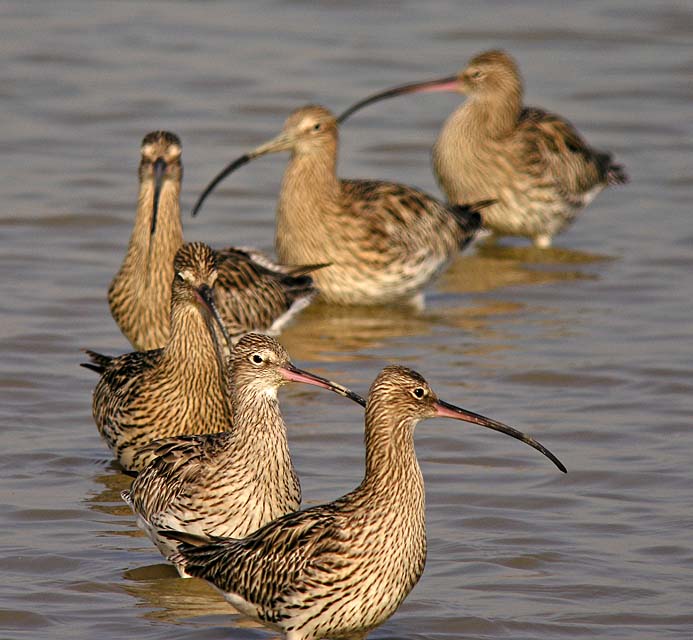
x,y
339,570
534,163
252,294
229,484
384,242
181,388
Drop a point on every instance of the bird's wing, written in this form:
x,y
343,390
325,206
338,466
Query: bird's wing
x,y
269,264
251,295
177,468
557,149
265,567
118,387
394,216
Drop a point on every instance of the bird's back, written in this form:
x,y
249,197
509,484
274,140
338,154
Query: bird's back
x,y
340,566
122,384
385,242
562,155
254,296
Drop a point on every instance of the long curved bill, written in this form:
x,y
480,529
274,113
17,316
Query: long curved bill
x,y
159,171
206,296
282,142
449,83
445,410
294,374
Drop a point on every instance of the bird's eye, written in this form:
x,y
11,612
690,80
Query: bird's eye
x,y
317,126
477,74
179,275
256,359
419,392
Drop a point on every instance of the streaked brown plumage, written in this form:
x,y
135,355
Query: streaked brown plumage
x,y
384,242
340,569
253,293
178,389
229,484
532,162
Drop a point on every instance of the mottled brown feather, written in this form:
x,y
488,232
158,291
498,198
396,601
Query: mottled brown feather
x,y
178,389
254,293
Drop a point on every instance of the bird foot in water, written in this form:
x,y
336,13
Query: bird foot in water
x,y
542,241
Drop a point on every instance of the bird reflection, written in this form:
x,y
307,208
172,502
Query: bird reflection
x,y
495,266
158,588
492,250
342,334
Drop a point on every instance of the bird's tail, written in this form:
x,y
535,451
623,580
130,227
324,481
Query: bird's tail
x,y
616,174
194,551
468,217
99,362
188,539
304,269
297,280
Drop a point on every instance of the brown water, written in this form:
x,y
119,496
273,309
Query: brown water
x,y
587,346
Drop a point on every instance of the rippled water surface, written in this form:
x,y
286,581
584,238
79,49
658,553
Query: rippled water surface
x,y
586,345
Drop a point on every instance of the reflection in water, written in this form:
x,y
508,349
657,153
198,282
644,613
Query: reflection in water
x,y
496,266
332,333
158,586
109,500
327,333
532,255
171,598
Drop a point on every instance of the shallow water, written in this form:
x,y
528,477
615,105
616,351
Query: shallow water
x,y
587,345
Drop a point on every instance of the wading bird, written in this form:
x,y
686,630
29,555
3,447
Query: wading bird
x,y
384,242
340,569
252,294
533,163
229,484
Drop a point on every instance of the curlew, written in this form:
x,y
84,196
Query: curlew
x,y
384,242
534,163
253,293
339,570
179,389
229,484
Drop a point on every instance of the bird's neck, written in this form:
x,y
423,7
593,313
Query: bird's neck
x,y
494,116
259,434
140,294
309,197
392,470
151,255
257,419
192,348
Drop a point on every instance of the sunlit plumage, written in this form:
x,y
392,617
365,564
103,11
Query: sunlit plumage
x,y
228,484
384,241
533,163
340,569
178,389
253,292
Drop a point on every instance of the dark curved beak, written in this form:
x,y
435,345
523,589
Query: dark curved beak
x,y
449,83
238,162
206,295
282,142
159,171
445,410
294,374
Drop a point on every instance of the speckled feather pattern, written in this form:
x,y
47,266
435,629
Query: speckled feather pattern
x,y
532,162
251,295
384,241
225,484
340,569
179,389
